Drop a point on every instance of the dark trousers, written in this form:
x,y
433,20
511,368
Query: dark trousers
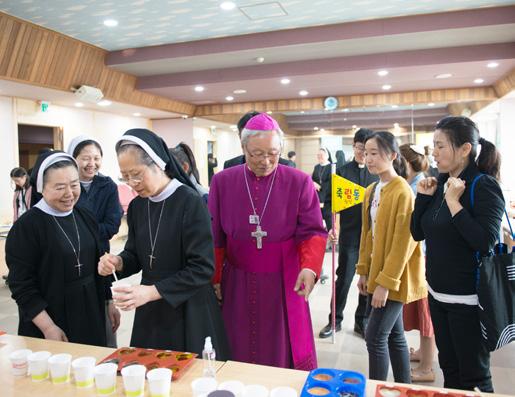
x,y
463,358
347,260
327,216
386,343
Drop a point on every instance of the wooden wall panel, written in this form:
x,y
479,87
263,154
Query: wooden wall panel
x,y
32,54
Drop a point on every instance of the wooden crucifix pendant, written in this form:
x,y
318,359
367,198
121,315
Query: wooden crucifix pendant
x,y
259,234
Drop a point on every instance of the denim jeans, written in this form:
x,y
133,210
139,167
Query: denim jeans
x,y
386,342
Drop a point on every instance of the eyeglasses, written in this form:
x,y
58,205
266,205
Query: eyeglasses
x,y
359,148
138,178
259,155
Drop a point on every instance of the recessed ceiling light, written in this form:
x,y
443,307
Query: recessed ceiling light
x,y
260,59
345,119
111,23
199,88
194,118
79,104
395,106
302,112
104,102
354,126
136,114
227,5
386,87
479,81
396,125
213,127
303,93
322,130
383,73
315,128
285,81
269,112
229,98
443,75
184,116
346,110
492,65
431,104
239,91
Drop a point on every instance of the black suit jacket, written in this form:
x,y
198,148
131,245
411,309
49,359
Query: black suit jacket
x,y
241,160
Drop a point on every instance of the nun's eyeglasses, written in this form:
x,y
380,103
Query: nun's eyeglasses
x,y
138,178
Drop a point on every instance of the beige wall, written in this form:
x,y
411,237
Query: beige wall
x,y
105,128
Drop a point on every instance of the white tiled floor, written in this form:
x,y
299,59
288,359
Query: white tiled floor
x,y
349,352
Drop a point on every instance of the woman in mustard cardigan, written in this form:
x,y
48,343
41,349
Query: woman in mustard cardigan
x,y
390,262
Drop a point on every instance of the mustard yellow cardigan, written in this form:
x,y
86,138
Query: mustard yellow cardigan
x,y
392,258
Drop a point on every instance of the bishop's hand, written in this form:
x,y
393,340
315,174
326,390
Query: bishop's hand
x,y
305,283
108,264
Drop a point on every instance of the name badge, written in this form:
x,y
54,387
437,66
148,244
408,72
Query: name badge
x,y
254,219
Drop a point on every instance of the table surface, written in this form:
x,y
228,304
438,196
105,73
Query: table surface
x,y
270,377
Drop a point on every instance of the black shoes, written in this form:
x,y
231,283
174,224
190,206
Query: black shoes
x,y
327,331
360,330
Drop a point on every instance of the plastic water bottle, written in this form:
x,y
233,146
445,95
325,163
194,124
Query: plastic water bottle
x,y
209,357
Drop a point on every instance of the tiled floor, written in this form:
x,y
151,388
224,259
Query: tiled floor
x,y
349,351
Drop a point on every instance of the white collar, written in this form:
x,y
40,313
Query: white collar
x,y
167,192
43,206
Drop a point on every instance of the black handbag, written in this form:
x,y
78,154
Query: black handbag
x,y
496,291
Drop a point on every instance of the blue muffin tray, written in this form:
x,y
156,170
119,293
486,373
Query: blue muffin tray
x,y
334,383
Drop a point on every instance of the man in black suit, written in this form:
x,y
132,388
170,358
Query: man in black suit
x,y
241,159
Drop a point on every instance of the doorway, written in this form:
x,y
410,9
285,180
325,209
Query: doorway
x,y
34,139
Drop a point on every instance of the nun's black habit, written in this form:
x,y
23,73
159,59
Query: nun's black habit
x,y
43,271
183,265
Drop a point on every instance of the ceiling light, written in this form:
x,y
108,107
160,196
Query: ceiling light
x,y
234,127
322,130
269,112
260,59
345,119
479,81
383,73
346,110
285,81
136,114
184,116
386,87
104,102
111,23
229,98
315,128
199,88
443,76
431,104
395,106
396,125
213,127
492,65
303,93
239,91
227,5
302,112
79,104
354,126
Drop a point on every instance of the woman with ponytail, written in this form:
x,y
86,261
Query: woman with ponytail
x,y
455,231
390,262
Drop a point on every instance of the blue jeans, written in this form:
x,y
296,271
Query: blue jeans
x,y
386,342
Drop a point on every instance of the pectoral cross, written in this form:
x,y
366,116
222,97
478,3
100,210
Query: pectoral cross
x,y
259,234
151,259
78,266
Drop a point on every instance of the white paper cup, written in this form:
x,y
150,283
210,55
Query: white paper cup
x,y
159,382
116,284
234,386
134,380
283,392
201,386
83,368
256,391
59,365
19,362
105,378
38,365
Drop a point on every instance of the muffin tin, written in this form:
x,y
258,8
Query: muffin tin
x,y
386,390
178,362
334,383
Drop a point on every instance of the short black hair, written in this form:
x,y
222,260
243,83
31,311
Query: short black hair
x,y
18,172
245,119
85,143
362,135
291,154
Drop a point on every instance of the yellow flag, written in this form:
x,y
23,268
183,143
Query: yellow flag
x,y
345,193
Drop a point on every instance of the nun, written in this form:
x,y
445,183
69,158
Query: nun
x,y
170,241
52,254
